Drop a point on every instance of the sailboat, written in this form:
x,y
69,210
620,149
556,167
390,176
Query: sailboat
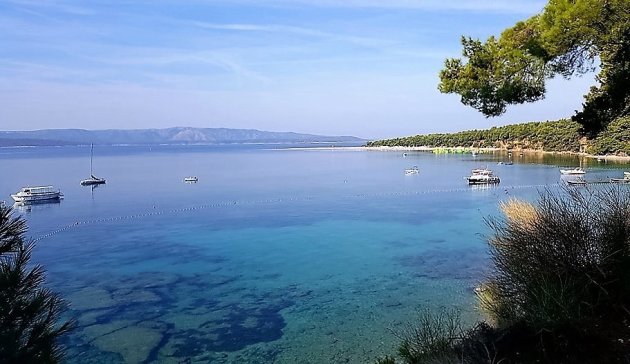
x,y
93,180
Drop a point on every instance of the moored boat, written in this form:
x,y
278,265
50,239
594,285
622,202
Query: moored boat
x,y
191,179
480,171
37,194
625,179
93,180
577,182
482,177
412,170
574,171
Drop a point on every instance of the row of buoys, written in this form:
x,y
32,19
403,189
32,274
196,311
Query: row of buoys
x,y
260,202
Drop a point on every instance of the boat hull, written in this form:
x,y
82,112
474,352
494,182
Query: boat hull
x,y
36,198
90,182
485,181
577,183
572,172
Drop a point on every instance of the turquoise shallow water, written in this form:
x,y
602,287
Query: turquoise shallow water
x,y
275,256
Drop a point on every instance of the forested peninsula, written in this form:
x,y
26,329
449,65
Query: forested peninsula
x,y
549,136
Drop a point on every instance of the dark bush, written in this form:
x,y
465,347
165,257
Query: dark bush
x,y
30,324
559,291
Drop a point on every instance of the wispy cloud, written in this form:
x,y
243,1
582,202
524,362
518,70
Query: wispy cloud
x,y
68,7
336,65
272,28
502,6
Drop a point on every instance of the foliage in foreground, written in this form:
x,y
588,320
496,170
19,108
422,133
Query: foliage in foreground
x,y
29,313
567,38
559,291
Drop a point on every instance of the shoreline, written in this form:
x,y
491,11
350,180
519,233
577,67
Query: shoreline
x,y
616,158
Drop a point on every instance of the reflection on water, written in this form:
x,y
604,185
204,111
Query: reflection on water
x,y
44,206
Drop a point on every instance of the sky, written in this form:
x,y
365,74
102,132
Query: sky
x,y
367,68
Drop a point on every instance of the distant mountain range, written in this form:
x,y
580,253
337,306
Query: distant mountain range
x,y
179,135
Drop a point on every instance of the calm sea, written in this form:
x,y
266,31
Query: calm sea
x,y
276,255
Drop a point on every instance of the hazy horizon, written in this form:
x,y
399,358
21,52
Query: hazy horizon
x,y
366,68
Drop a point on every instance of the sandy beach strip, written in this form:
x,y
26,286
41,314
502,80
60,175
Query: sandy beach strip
x,y
613,158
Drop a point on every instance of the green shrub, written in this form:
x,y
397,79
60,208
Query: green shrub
x,y
570,261
559,291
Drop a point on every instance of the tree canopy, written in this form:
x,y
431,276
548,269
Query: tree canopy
x,y
30,313
568,38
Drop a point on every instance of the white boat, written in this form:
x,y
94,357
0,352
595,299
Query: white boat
x,y
412,170
191,179
579,182
481,171
37,194
482,177
625,179
573,172
93,180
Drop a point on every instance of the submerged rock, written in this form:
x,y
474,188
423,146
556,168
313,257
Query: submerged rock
x,y
133,343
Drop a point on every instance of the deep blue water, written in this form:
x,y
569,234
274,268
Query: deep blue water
x,y
274,256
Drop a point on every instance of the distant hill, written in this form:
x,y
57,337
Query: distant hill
x,y
179,135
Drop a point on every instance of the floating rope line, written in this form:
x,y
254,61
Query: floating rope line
x,y
276,201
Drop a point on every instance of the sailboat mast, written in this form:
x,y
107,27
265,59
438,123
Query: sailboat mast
x,y
91,154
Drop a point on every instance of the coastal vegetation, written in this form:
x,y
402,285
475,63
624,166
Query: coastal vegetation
x,y
560,135
568,38
549,136
559,291
30,314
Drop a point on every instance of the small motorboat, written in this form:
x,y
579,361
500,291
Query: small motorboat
x,y
625,179
577,182
192,179
573,172
412,170
478,171
482,177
